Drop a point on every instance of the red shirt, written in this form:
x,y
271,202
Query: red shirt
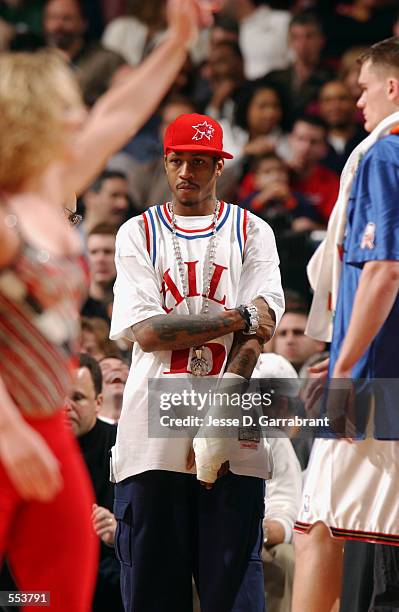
x,y
321,188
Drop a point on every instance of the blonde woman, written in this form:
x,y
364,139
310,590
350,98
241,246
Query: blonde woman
x,y
50,148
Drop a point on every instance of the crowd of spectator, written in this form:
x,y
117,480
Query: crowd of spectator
x,y
281,77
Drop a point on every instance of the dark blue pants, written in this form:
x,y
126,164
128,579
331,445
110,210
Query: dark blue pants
x,y
170,528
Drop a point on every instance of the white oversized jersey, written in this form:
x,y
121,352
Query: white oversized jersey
x,y
148,284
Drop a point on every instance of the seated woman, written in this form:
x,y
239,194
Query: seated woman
x,y
273,200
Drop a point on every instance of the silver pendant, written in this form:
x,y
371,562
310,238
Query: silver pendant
x,y
199,365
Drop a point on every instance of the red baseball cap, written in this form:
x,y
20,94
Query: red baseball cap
x,y
193,132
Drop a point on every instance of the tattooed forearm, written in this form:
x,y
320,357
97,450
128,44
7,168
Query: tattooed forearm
x,y
168,328
243,355
173,332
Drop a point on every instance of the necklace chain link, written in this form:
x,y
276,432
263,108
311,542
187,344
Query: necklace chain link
x,y
211,254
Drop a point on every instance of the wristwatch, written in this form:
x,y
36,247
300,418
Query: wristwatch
x,y
249,313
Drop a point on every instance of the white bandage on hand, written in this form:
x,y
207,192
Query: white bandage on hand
x,y
210,451
210,454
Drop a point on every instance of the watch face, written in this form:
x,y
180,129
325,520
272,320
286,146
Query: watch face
x,y
253,318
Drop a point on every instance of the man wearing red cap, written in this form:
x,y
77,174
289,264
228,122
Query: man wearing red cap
x,y
198,291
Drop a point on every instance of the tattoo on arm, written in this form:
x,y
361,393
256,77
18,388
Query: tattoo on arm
x,y
183,331
168,328
244,355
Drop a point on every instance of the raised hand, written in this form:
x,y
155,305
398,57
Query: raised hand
x,y
186,17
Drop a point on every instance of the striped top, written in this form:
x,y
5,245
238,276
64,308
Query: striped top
x,y
160,215
40,297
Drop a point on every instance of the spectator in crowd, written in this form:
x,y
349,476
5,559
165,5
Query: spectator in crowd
x,y
283,497
136,33
95,439
106,200
290,340
224,29
283,493
147,181
298,6
261,112
94,15
19,17
262,35
101,254
94,339
144,145
115,373
225,76
111,9
302,80
308,141
338,110
358,22
274,200
294,299
349,71
185,82
259,120
64,27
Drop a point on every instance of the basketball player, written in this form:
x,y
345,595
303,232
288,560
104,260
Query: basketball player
x,y
183,269
350,490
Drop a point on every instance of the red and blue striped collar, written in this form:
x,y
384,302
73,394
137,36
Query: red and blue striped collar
x,y
191,234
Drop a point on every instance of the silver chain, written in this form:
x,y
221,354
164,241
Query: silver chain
x,y
211,253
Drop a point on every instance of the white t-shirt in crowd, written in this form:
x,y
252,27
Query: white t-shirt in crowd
x,y
148,284
263,40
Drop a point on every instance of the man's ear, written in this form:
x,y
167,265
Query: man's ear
x,y
219,166
393,89
99,402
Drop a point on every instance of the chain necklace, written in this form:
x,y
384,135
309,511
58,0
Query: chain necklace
x,y
199,365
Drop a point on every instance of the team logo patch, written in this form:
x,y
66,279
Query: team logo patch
x,y
368,237
203,130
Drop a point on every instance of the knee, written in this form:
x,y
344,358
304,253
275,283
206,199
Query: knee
x,y
319,536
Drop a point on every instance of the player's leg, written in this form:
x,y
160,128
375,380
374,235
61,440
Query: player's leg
x,y
230,541
318,571
154,540
52,546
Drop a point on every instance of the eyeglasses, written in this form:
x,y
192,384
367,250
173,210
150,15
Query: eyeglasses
x,y
73,217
